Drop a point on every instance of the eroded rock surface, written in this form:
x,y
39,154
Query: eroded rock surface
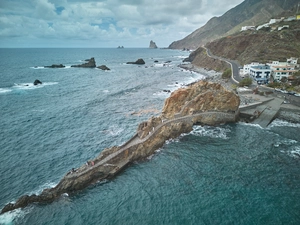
x,y
202,102
200,97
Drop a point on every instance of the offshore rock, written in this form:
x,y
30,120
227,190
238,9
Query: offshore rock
x,y
89,64
37,82
55,66
103,67
139,62
202,102
152,44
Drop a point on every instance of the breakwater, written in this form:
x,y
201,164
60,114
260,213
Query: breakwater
x,y
177,118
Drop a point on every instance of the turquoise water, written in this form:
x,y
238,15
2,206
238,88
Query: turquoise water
x,y
229,174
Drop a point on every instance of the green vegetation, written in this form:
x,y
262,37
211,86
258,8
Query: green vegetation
x,y
227,74
285,84
245,82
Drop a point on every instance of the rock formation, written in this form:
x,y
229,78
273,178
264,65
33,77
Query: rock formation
x,y
103,67
55,66
139,62
90,64
37,82
200,97
152,44
202,102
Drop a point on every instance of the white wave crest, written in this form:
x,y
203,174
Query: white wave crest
x,y
42,187
8,218
115,130
37,67
251,125
283,123
295,152
213,132
4,90
29,86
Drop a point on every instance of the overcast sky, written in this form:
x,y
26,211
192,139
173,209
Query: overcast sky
x,y
103,23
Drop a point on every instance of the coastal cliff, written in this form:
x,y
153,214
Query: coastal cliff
x,y
202,102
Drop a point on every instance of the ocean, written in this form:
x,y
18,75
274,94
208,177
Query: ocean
x,y
228,174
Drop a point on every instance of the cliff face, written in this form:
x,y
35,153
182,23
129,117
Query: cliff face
x,y
200,97
202,102
248,13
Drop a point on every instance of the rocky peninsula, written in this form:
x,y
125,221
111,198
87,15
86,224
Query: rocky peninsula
x,y
200,103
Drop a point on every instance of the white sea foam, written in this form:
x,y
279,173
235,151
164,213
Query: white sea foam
x,y
251,125
105,91
115,130
8,218
29,86
283,123
37,67
42,187
4,90
295,152
213,132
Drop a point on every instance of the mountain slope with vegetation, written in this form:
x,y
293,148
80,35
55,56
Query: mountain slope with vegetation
x,y
248,13
260,46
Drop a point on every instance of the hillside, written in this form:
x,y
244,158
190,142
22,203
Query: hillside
x,y
260,46
248,13
251,46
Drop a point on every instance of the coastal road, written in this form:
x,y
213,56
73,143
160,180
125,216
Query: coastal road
x,y
235,77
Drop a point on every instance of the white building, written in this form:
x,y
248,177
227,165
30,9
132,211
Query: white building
x,y
260,73
246,68
284,69
248,28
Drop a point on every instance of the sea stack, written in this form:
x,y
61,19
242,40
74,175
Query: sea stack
x,y
152,44
90,63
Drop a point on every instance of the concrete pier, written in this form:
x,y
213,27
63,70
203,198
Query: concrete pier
x,y
263,111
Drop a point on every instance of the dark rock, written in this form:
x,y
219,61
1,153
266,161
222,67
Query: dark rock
x,y
139,62
152,44
168,91
156,61
103,67
90,64
168,61
36,82
55,66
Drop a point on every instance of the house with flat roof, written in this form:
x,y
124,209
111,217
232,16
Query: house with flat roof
x,y
260,73
284,69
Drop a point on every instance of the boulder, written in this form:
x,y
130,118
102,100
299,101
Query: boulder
x,y
139,62
37,82
55,66
103,67
152,44
90,64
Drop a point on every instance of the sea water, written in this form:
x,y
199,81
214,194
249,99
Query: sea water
x,y
227,174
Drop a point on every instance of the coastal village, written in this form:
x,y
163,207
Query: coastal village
x,y
274,71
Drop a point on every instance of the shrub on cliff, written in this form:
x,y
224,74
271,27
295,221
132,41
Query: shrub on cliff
x,y
226,74
245,82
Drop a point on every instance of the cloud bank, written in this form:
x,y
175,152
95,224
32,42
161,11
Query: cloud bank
x,y
103,23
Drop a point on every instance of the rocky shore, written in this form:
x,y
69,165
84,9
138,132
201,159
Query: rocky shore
x,y
200,103
287,112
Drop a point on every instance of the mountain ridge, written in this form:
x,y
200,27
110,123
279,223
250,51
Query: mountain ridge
x,y
249,12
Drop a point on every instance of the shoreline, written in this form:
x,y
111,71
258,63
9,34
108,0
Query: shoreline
x,y
288,112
